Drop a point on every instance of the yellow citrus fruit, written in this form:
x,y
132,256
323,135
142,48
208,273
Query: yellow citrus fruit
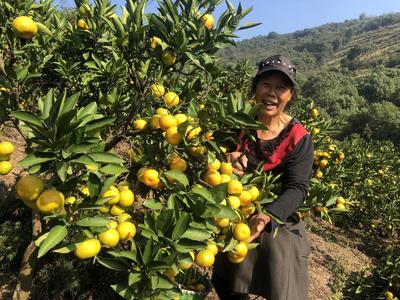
x,y
85,191
105,208
88,249
154,42
208,21
155,122
341,155
340,200
180,118
5,157
339,205
241,249
318,174
124,185
254,192
70,200
126,230
389,295
315,131
245,198
24,27
225,178
241,232
171,99
235,187
212,177
126,198
162,111
116,210
209,136
248,210
85,10
82,24
212,247
234,258
215,165
226,168
139,173
112,224
157,90
234,201
168,58
177,163
192,132
6,149
314,113
197,151
5,167
110,237
221,222
185,261
112,192
323,163
140,124
167,121
204,258
31,204
50,200
124,217
150,177
29,188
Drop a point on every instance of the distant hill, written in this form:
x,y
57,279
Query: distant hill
x,y
354,45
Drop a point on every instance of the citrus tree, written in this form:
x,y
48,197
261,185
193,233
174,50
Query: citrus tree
x,y
126,131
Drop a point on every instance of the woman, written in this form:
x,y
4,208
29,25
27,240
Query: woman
x,y
278,268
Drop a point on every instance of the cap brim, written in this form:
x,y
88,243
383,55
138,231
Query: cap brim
x,y
269,69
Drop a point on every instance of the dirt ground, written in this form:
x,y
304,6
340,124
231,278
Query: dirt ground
x,y
334,251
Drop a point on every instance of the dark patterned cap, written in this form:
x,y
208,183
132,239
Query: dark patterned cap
x,y
278,63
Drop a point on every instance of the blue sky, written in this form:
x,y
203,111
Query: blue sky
x,y
285,16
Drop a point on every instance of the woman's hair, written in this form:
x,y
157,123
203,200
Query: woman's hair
x,y
288,82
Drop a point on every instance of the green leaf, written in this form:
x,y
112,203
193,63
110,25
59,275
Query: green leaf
x,y
93,221
219,192
112,263
202,191
36,158
158,282
148,252
94,185
153,204
124,290
28,118
62,168
226,212
131,255
56,235
113,169
40,239
178,176
99,123
196,234
47,104
67,249
248,25
84,160
134,278
106,157
181,226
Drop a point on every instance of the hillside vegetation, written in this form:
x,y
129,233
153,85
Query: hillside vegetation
x,y
350,69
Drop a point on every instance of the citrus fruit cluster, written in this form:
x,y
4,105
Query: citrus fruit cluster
x,y
6,150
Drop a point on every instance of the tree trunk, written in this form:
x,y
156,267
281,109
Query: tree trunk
x,y
25,277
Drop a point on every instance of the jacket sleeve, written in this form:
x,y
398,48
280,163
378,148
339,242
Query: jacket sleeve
x,y
295,181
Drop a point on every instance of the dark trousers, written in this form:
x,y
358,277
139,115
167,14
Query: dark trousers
x,y
277,269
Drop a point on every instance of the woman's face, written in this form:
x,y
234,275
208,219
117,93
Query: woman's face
x,y
274,92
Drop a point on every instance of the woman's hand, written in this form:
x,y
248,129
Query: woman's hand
x,y
238,161
257,224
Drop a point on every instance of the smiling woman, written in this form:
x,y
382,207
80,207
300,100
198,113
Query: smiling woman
x,y
277,268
